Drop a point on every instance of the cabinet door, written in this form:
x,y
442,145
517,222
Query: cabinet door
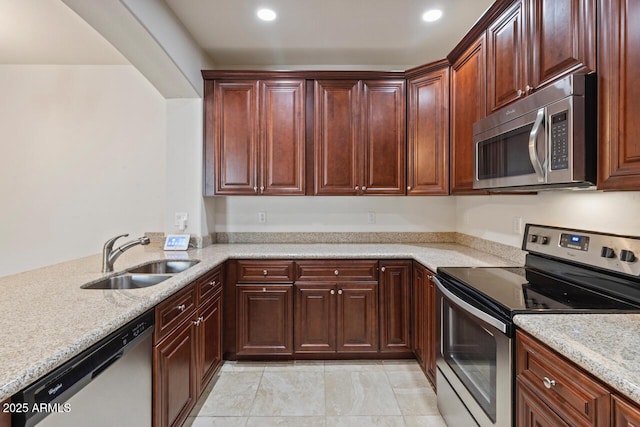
x,y
265,319
337,137
209,341
236,136
468,104
395,306
383,137
5,417
428,134
315,317
174,362
282,136
562,38
506,58
619,95
533,412
357,318
624,414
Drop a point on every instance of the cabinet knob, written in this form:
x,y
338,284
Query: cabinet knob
x,y
383,269
255,189
181,307
357,188
528,89
262,189
265,272
430,277
548,383
339,291
332,292
264,289
336,272
409,187
198,321
212,283
364,188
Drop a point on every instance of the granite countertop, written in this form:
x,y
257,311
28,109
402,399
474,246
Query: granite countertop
x,y
606,345
46,318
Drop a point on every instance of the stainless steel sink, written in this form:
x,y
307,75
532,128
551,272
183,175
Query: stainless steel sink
x,y
128,281
164,267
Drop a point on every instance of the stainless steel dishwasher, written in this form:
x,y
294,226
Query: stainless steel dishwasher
x,y
108,385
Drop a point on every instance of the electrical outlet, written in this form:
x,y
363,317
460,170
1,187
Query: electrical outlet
x,y
180,220
371,217
516,225
262,217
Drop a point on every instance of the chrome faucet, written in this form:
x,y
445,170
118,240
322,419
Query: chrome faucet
x,y
110,255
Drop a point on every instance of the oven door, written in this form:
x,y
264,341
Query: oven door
x,y
474,360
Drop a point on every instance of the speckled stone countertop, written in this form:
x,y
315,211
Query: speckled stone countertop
x,y
606,345
46,318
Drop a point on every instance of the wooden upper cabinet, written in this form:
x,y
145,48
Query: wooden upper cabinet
x,y
506,58
428,133
535,42
562,39
359,137
619,95
384,141
336,135
235,138
468,89
255,137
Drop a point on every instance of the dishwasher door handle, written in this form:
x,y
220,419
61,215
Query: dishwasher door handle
x,y
113,359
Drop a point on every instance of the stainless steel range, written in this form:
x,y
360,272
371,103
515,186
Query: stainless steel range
x,y
566,270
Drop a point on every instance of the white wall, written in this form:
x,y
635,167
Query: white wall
x,y
332,214
83,159
491,217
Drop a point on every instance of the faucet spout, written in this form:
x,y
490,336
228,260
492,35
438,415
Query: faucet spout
x,y
110,255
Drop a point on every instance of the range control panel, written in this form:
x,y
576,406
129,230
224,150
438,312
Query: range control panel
x,y
601,250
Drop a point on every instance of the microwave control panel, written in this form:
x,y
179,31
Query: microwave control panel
x,y
560,141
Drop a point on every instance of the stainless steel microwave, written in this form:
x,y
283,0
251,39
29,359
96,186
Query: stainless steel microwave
x,y
544,141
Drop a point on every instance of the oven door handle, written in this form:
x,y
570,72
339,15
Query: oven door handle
x,y
501,326
533,145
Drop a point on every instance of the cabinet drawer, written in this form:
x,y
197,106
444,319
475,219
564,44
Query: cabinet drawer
x,y
173,311
337,270
265,271
563,386
209,285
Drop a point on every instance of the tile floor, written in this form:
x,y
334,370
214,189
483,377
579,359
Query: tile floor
x,y
318,393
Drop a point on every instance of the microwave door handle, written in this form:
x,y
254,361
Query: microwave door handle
x,y
502,327
533,147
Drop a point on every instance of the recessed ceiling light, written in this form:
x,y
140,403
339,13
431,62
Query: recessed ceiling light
x,y
432,15
266,14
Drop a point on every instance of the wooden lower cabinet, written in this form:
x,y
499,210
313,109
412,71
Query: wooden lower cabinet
x,y
5,417
264,319
532,411
395,306
336,317
424,320
186,357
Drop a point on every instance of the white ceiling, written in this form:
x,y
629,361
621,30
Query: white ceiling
x,y
372,33
48,32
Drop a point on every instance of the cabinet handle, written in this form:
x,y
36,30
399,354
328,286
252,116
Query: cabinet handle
x,y
265,272
339,291
548,383
262,189
255,189
364,188
357,188
528,89
212,283
383,269
181,307
336,272
333,292
264,289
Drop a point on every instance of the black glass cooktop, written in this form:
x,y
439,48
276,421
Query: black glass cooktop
x,y
559,288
